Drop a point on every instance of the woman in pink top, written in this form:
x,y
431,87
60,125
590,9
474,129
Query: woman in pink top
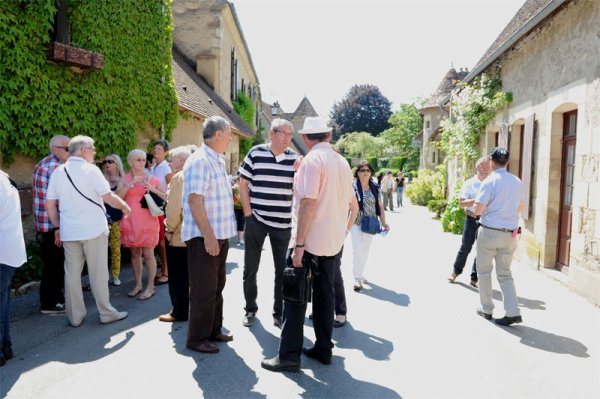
x,y
139,231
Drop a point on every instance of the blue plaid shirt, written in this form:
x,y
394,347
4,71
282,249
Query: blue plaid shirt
x,y
205,174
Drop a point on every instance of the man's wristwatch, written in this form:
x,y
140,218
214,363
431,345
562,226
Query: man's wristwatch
x,y
300,245
55,228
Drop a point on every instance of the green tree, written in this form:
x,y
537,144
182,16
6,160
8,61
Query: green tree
x,y
363,109
361,145
406,125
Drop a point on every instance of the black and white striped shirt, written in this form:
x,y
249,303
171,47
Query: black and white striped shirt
x,y
271,182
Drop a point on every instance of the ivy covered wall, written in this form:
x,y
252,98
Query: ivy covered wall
x,y
133,93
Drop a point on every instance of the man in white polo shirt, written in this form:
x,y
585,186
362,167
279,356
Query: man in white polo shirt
x,y
80,226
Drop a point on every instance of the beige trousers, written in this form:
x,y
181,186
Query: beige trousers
x,y
95,252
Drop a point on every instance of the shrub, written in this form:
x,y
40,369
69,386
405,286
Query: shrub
x,y
397,163
438,206
453,218
427,186
384,162
373,162
349,161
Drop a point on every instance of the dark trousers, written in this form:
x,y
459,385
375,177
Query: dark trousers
x,y
207,280
292,330
6,275
179,286
338,287
255,235
53,271
468,239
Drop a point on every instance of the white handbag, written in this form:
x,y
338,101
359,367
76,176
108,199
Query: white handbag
x,y
152,207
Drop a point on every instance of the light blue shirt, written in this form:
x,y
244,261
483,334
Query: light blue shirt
x,y
470,190
501,192
205,174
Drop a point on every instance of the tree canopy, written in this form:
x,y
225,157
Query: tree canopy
x,y
361,145
406,124
363,109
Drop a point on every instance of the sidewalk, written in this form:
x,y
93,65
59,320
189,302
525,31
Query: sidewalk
x,y
409,334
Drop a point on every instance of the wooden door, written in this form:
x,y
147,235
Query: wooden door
x,y
566,187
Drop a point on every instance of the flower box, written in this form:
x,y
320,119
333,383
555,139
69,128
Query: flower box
x,y
61,53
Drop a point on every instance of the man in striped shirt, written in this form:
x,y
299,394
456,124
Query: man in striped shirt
x,y
266,182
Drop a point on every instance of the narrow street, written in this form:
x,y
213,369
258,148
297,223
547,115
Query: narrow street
x,y
410,334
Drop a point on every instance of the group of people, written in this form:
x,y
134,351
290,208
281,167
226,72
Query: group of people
x,y
493,200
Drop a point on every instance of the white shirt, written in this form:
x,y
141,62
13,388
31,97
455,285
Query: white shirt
x,y
470,189
160,171
12,244
79,218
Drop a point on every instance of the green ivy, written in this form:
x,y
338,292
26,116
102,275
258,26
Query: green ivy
x,y
134,92
243,107
473,107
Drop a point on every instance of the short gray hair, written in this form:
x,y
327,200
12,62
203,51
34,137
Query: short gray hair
x,y
55,139
78,142
133,154
278,122
212,125
481,160
181,151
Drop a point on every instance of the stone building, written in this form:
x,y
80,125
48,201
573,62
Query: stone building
x,y
208,37
547,57
434,111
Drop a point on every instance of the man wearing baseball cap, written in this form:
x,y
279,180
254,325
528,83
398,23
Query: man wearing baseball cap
x,y
500,204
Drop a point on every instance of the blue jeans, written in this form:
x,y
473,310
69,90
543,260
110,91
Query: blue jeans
x,y
468,239
6,275
399,191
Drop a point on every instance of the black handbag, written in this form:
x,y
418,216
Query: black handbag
x,y
108,217
297,281
157,200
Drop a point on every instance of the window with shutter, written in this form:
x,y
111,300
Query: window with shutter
x,y
527,162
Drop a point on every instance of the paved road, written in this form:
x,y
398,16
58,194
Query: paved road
x,y
410,334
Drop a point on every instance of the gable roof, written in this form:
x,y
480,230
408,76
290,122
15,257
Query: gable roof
x,y
195,95
304,110
529,16
448,83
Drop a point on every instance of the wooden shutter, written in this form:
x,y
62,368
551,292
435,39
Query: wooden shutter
x,y
503,136
527,162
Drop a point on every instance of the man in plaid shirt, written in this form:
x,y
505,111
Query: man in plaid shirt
x,y
208,223
52,299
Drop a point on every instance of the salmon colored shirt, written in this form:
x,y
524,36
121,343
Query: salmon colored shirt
x,y
325,175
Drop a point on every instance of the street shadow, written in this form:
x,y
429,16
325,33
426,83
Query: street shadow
x,y
547,341
265,339
372,346
334,381
230,267
385,294
533,304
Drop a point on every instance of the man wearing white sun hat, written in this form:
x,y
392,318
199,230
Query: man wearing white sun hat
x,y
324,194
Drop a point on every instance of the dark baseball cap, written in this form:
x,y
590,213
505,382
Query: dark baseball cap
x,y
499,154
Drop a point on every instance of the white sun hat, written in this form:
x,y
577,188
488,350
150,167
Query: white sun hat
x,y
314,125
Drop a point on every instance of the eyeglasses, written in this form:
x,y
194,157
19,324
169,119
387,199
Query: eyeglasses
x,y
140,159
290,134
364,170
109,161
62,148
89,148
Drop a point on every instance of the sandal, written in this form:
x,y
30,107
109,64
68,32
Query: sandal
x,y
146,295
161,280
134,292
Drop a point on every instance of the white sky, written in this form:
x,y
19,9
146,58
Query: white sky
x,y
321,48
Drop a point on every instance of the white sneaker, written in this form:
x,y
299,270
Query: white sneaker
x,y
114,317
242,242
116,282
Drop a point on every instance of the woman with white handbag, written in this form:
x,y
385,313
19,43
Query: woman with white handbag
x,y
139,231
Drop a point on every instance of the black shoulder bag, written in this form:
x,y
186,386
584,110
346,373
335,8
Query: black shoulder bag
x,y
108,218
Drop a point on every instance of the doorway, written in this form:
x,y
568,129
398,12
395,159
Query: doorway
x,y
569,140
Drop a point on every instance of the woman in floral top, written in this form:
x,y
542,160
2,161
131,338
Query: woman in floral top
x,y
370,204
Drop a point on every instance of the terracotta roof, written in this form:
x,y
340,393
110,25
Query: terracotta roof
x,y
445,87
529,16
195,95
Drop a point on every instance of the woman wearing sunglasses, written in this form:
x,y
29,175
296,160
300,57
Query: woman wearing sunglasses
x,y
112,167
369,204
139,231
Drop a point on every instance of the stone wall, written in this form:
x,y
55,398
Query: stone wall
x,y
553,70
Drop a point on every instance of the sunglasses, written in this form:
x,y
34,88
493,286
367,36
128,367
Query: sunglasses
x,y
109,161
62,148
364,170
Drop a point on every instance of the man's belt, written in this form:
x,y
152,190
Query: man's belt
x,y
498,229
472,214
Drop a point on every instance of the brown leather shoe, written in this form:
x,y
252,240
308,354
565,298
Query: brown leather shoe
x,y
452,277
474,283
222,338
167,318
204,347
